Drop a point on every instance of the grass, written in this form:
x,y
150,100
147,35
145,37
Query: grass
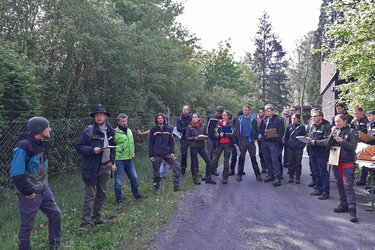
x,y
134,224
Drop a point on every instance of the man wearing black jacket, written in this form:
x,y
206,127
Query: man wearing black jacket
x,y
182,123
96,165
341,109
213,141
161,147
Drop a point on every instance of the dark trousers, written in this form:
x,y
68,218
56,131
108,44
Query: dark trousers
x,y
270,152
94,196
261,155
281,147
226,147
29,208
311,170
319,165
344,176
174,165
194,160
294,161
246,146
364,173
184,146
211,146
234,158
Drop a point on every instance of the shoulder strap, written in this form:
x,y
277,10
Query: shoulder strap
x,y
90,130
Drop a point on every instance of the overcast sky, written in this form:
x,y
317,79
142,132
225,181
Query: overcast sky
x,y
213,21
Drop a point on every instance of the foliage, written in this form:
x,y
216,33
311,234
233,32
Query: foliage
x,y
354,51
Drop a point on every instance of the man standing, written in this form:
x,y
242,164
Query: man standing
x,y
318,132
124,158
246,134
96,146
261,113
340,109
272,131
29,173
182,123
360,121
161,147
213,141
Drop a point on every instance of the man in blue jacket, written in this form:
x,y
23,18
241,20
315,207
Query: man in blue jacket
x,y
161,147
29,174
96,146
272,130
182,123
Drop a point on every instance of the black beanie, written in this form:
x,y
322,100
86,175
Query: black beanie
x,y
37,125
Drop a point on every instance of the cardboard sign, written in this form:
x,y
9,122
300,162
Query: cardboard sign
x,y
334,156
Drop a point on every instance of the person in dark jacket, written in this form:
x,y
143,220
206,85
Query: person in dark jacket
x,y
341,109
343,136
193,131
161,147
224,132
96,165
295,148
271,143
234,148
246,134
308,149
182,123
261,114
213,141
29,173
318,132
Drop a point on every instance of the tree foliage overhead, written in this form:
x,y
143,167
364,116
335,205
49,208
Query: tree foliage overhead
x,y
354,50
269,64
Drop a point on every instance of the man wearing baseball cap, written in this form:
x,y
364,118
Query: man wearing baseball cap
x,y
29,173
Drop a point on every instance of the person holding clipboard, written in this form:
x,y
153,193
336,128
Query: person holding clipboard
x,y
224,132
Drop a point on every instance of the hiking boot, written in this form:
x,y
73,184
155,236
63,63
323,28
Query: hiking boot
x,y
361,182
316,193
324,196
259,178
298,180
269,179
276,183
239,178
291,179
196,181
177,188
231,172
341,209
210,180
312,184
225,181
353,214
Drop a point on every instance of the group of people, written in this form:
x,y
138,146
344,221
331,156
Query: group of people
x,y
105,150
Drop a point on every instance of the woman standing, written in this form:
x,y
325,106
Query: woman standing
x,y
224,131
343,136
294,148
195,129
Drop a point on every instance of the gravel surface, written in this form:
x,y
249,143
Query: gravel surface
x,y
256,215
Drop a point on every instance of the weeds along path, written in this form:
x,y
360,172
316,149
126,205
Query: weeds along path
x,y
253,215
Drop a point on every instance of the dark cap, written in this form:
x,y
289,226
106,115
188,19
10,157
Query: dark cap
x,y
99,109
37,125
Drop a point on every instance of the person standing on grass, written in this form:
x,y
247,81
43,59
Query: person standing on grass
x,y
96,165
161,147
182,123
29,172
195,129
246,134
124,159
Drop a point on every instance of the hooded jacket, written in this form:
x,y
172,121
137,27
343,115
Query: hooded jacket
x,y
30,165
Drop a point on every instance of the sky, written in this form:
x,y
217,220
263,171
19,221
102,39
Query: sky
x,y
213,21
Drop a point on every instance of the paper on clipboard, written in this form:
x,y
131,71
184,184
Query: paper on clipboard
x,y
176,133
303,139
109,147
201,138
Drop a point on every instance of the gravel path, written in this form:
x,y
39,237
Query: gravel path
x,y
256,215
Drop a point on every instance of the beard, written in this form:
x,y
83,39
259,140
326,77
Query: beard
x,y
100,124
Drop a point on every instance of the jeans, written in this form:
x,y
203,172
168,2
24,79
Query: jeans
x,y
194,160
164,169
246,146
344,176
294,161
319,165
270,152
125,166
29,208
227,149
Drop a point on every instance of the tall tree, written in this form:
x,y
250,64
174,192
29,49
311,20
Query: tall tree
x,y
269,64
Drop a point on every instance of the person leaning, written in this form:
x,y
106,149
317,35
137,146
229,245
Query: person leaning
x,y
161,147
96,165
182,123
246,134
193,131
294,147
29,172
213,141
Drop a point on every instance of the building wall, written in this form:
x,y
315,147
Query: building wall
x,y
328,102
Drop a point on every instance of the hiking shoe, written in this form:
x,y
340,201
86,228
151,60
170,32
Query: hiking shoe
x,y
324,196
353,215
269,179
239,178
341,209
276,183
210,180
259,178
316,193
312,184
196,181
361,183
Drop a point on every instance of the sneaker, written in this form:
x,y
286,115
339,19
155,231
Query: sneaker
x,y
239,178
269,179
276,183
259,178
209,180
341,209
312,184
361,183
225,181
324,196
177,189
316,193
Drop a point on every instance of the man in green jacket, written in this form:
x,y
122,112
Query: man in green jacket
x,y
124,158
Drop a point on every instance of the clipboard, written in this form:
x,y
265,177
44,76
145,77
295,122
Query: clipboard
x,y
334,156
201,138
303,139
176,133
226,129
109,147
364,137
271,133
